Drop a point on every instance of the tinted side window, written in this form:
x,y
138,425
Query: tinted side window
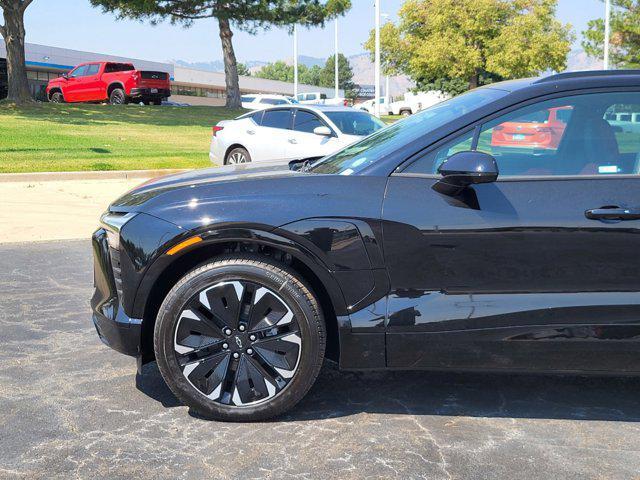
x,y
273,101
79,72
306,122
92,69
247,98
591,134
276,119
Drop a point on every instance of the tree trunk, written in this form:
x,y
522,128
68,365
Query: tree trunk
x,y
13,33
230,65
474,81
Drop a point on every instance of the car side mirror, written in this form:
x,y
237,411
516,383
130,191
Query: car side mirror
x,y
466,168
65,76
323,131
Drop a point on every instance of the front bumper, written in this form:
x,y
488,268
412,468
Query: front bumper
x,y
114,327
148,93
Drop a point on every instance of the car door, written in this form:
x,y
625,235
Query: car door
x,y
91,84
268,140
538,270
73,87
303,143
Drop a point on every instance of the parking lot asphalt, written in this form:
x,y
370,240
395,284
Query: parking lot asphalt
x,y
72,408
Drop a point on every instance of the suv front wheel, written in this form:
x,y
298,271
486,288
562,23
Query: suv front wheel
x,y
239,339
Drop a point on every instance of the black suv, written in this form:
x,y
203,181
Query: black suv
x,y
499,230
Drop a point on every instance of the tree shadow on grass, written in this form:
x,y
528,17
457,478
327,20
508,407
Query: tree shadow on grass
x,y
341,394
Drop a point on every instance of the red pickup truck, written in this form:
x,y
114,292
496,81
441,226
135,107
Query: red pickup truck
x,y
118,83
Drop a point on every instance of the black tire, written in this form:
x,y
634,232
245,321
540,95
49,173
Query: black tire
x,y
57,97
117,97
156,102
405,113
224,387
237,156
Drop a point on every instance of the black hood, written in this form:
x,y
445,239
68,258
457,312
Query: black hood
x,y
196,178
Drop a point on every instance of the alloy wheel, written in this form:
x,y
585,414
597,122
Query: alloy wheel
x,y
237,157
238,343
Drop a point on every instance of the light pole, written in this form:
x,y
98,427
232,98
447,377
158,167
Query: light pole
x,y
376,69
295,61
337,80
607,32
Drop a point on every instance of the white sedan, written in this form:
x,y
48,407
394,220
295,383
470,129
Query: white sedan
x,y
289,133
259,101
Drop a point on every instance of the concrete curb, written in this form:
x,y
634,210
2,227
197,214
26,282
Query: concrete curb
x,y
103,175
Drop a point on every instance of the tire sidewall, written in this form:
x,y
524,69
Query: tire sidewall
x,y
112,97
309,321
244,152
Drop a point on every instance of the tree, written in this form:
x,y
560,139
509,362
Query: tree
x,y
345,75
277,71
283,72
243,70
452,43
624,46
247,15
12,31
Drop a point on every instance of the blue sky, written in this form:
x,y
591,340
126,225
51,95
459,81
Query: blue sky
x,y
75,24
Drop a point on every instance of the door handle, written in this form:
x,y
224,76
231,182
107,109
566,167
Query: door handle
x,y
293,140
613,213
251,132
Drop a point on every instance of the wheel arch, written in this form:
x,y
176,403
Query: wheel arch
x,y
231,147
156,284
113,85
55,90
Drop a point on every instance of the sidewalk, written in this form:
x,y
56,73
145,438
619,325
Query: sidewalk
x,y
56,210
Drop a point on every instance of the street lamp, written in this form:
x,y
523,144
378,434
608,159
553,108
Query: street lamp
x,y
336,60
295,61
376,69
607,32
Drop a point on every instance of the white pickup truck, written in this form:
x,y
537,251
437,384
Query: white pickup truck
x,y
318,98
414,102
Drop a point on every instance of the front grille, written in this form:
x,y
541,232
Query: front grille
x,y
149,75
117,271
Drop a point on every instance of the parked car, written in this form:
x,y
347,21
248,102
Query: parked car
x,y
319,98
117,83
369,106
419,247
542,129
415,102
259,101
289,133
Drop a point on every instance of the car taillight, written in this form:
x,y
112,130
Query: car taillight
x,y
216,129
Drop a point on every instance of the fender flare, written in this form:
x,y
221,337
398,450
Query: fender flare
x,y
233,234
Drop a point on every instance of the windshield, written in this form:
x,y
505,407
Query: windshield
x,y
355,122
360,155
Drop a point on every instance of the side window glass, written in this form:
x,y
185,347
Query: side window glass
x,y
590,134
276,119
306,122
625,121
79,72
92,69
430,163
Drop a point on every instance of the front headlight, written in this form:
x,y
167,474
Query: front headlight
x,y
112,222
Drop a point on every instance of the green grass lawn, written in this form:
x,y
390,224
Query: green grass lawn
x,y
52,138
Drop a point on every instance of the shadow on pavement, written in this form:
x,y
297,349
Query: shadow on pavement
x,y
341,394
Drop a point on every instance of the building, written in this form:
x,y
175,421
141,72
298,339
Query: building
x,y
188,85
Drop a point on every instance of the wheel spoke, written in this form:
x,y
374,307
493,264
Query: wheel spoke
x,y
238,343
268,311
282,352
207,375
